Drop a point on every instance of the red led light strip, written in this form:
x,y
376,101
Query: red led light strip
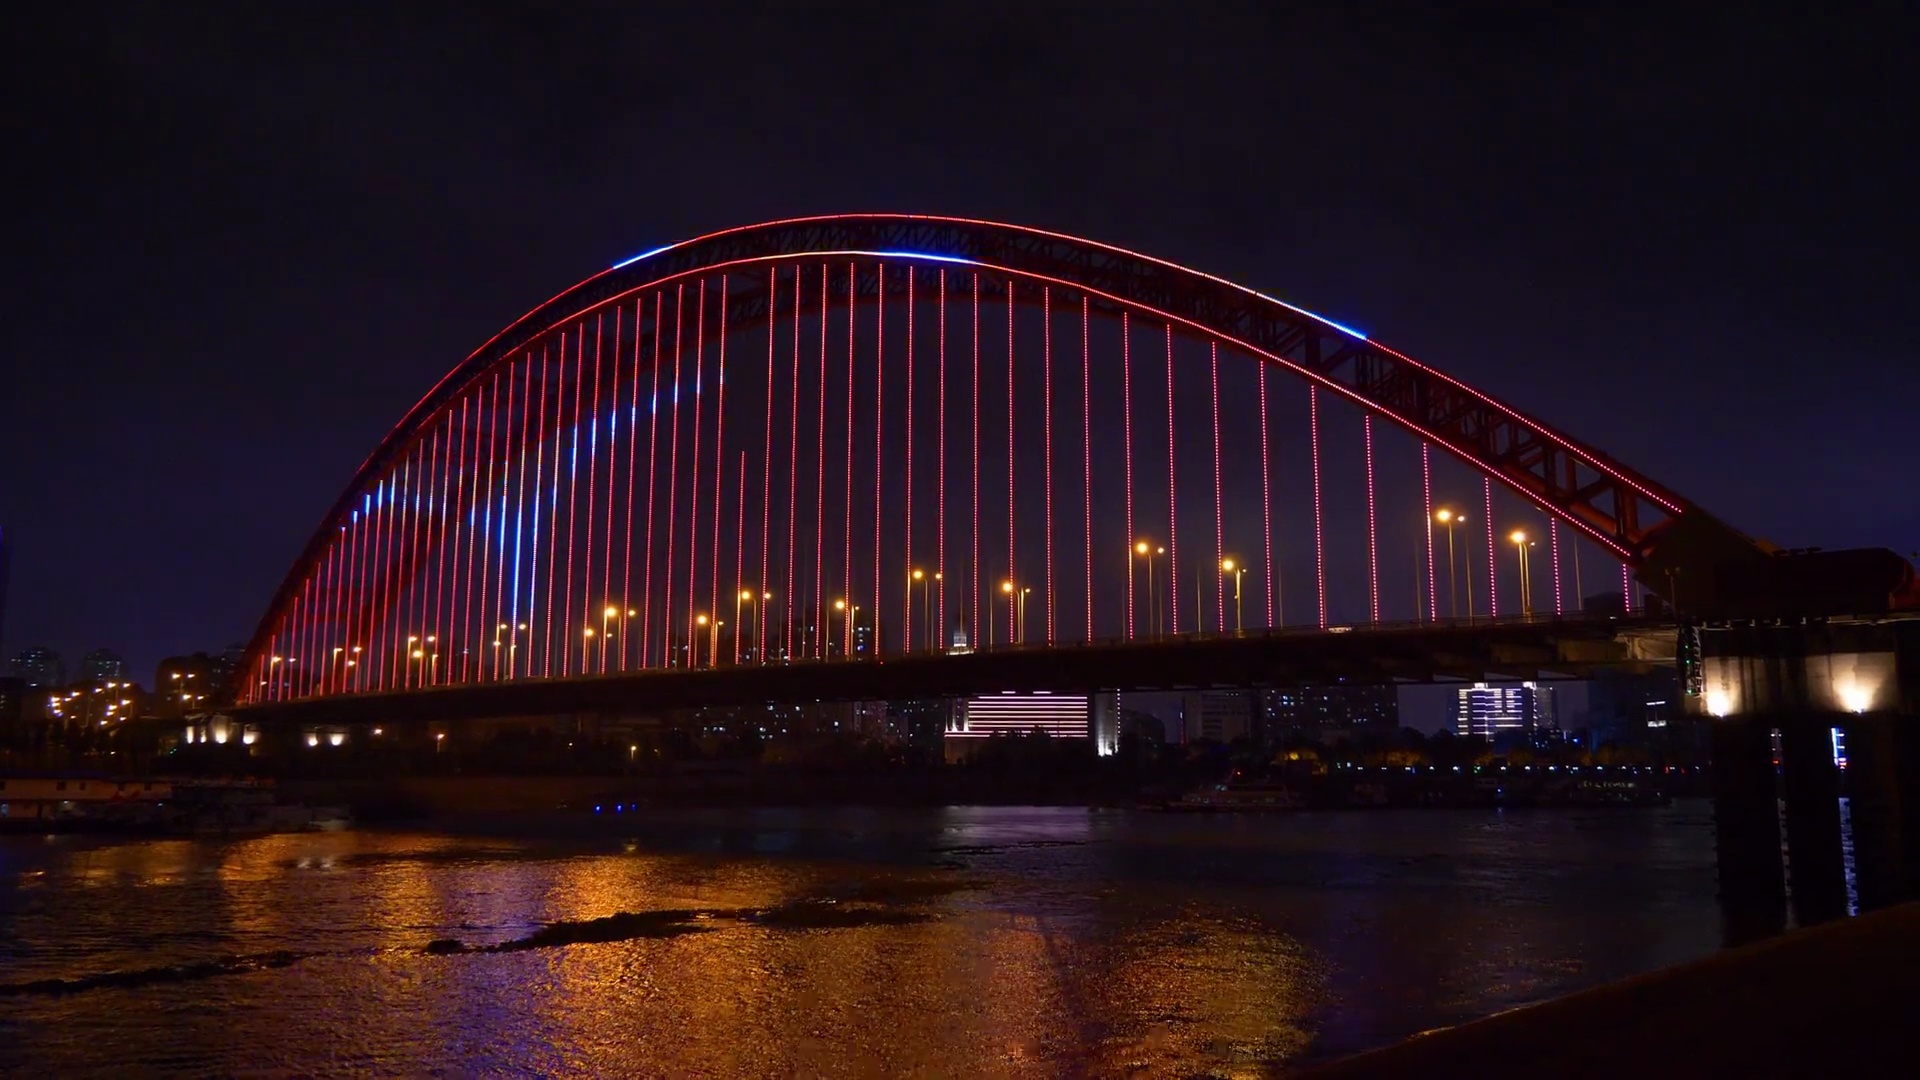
x,y
1373,525
1319,535
653,431
1013,629
1046,428
553,500
937,620
1126,455
978,625
740,550
693,478
793,460
1426,495
593,472
846,510
820,484
673,469
879,413
573,499
1173,505
766,478
719,465
906,620
1493,575
1086,455
1266,499
633,446
1553,538
1219,524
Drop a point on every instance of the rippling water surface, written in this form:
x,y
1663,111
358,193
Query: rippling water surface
x,y
960,942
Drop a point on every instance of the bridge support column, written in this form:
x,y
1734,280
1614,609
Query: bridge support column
x,y
1906,751
1875,808
1746,827
1816,861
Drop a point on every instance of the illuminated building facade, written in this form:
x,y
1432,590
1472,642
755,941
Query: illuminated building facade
x,y
1060,716
1491,711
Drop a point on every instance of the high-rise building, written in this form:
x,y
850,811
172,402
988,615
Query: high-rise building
x,y
1220,715
101,665
1347,708
38,667
1493,711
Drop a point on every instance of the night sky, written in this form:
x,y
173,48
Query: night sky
x,y
243,246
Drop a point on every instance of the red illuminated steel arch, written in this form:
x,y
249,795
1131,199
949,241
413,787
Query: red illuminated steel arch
x,y
1624,511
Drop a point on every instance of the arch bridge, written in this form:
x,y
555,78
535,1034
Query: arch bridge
x,y
874,436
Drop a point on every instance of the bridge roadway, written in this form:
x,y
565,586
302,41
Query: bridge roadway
x,y
1510,648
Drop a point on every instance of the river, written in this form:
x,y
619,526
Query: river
x,y
960,942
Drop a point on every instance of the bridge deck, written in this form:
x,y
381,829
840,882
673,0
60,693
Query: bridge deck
x,y
1509,649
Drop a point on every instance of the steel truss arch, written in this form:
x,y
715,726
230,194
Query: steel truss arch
x,y
1623,510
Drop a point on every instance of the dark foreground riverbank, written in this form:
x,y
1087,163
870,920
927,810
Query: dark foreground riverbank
x,y
1834,1000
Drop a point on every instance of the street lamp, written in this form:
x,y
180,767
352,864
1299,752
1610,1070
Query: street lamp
x,y
1448,518
1017,607
851,611
914,576
1520,546
693,643
742,597
1148,550
1228,566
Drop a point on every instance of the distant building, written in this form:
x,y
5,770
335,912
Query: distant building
x,y
38,667
1319,711
1059,716
193,683
101,665
1220,715
1106,722
1493,711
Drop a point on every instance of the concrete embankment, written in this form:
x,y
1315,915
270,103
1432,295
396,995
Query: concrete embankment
x,y
1834,1000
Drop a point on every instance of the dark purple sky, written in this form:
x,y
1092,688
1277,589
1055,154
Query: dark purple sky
x,y
243,246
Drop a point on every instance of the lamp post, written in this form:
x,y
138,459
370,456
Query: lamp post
x,y
1148,551
740,598
1520,546
1017,601
914,576
1447,517
926,607
851,610
1228,566
693,642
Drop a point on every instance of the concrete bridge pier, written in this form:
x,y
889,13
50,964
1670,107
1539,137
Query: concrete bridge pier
x,y
1746,827
1803,680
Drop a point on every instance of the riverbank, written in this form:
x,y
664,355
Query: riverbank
x,y
1833,1000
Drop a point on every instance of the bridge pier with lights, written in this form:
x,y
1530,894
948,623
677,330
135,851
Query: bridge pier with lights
x,y
779,464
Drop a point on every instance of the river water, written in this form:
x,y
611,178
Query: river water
x,y
961,942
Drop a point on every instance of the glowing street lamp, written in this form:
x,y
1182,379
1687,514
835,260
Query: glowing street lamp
x,y
1448,518
852,611
1520,546
1148,550
1017,601
1228,566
